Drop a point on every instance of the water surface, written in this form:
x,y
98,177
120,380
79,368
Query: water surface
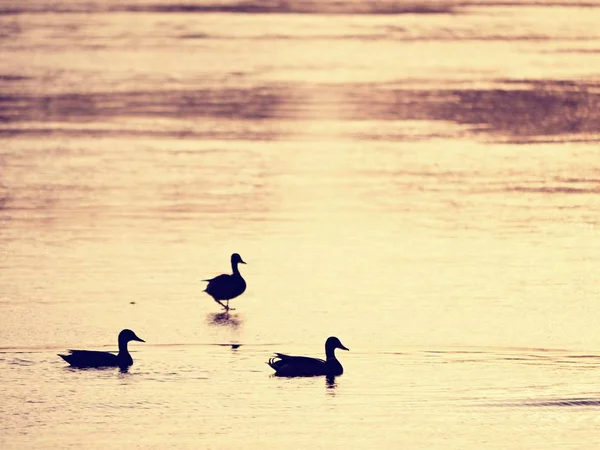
x,y
420,179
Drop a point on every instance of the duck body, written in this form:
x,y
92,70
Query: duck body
x,y
304,366
92,358
225,286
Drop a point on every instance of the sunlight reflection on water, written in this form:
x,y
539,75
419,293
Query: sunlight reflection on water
x,y
422,185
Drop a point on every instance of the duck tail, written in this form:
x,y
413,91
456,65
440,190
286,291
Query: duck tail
x,y
275,363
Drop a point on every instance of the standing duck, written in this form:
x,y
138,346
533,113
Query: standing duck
x,y
304,366
91,358
226,287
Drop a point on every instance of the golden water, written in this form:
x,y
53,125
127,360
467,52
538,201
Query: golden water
x,y
425,186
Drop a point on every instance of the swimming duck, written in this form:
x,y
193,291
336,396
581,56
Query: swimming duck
x,y
303,366
226,287
90,358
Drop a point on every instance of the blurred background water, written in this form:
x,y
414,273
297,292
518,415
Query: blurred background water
x,y
420,179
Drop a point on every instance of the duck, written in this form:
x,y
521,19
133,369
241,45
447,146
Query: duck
x,y
91,358
225,286
304,366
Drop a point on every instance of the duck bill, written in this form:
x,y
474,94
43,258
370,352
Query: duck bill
x,y
138,339
242,261
343,348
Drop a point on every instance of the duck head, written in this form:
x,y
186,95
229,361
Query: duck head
x,y
332,343
236,259
127,335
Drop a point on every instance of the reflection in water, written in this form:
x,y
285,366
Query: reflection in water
x,y
3,251
519,110
330,382
347,143
248,7
301,7
225,319
233,346
100,369
260,102
567,402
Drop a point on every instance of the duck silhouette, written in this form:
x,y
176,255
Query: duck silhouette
x,y
304,366
226,287
91,358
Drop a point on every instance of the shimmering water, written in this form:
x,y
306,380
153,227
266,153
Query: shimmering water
x,y
420,179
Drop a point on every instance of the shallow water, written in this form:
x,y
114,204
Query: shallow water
x,y
421,180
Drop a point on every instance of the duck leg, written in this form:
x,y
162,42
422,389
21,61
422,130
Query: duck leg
x,y
220,303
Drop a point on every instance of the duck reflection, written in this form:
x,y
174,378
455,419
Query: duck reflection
x,y
224,319
330,382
